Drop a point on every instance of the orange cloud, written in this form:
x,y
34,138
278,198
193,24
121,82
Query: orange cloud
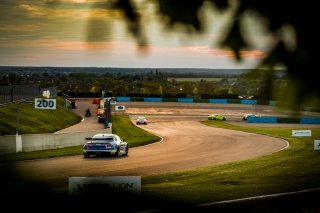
x,y
32,10
207,52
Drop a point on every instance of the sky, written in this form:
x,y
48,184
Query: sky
x,y
85,33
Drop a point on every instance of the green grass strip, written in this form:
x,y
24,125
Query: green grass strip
x,y
121,125
292,169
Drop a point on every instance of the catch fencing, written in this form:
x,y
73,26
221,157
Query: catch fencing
x,y
12,93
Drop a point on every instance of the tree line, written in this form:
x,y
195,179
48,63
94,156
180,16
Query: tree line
x,y
155,84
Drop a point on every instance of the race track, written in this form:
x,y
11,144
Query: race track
x,y
187,144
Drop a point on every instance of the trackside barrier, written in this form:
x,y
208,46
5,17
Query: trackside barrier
x,y
262,120
38,142
7,144
123,99
191,100
152,99
185,100
218,101
214,101
249,102
310,120
283,120
288,120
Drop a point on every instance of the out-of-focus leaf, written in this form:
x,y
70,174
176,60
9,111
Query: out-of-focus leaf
x,y
133,20
128,9
299,63
221,4
185,12
279,54
235,40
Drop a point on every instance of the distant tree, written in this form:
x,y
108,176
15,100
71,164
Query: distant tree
x,y
93,90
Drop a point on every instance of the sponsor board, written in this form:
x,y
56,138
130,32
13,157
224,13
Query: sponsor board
x,y
81,186
316,144
120,108
301,133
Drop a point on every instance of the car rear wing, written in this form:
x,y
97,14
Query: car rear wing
x,y
100,139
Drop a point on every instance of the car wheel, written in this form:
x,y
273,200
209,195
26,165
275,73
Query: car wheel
x,y
86,155
127,151
117,152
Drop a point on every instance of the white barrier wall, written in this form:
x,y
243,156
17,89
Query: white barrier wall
x,y
7,144
37,142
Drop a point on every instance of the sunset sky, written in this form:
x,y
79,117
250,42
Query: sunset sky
x,y
84,33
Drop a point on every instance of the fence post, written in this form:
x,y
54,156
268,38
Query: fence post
x,y
18,143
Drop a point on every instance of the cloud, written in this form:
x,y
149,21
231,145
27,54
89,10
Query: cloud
x,y
79,32
32,10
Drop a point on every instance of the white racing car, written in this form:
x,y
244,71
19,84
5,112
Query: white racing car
x,y
246,116
141,120
105,144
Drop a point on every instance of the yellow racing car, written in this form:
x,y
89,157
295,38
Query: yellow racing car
x,y
217,117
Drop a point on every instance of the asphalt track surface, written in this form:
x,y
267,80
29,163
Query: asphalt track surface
x,y
186,144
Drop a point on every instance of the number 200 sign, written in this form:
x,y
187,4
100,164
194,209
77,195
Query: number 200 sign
x,y
40,103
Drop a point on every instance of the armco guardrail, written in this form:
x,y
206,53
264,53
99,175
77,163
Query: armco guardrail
x,y
13,93
38,142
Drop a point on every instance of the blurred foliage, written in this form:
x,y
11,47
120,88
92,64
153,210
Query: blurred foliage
x,y
300,61
299,57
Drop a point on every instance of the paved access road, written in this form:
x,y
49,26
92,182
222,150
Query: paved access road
x,y
187,144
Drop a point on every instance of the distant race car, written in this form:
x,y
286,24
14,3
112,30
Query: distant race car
x,y
105,144
141,120
246,116
73,104
96,101
217,117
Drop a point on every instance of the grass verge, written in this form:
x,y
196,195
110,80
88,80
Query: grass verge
x,y
292,169
35,121
121,125
135,136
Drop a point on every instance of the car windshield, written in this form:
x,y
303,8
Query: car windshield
x,y
109,139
